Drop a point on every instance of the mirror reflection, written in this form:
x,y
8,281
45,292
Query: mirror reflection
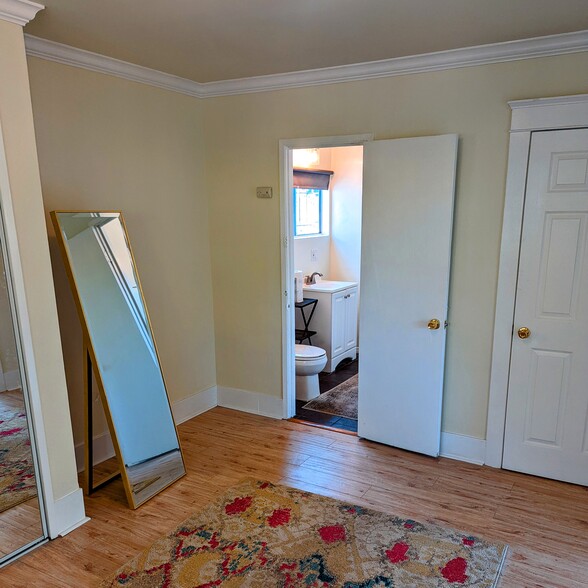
x,y
20,513
123,350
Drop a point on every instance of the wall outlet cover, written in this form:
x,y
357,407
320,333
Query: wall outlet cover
x,y
264,192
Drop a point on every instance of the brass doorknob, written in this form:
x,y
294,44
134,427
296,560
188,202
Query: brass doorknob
x,y
433,324
524,333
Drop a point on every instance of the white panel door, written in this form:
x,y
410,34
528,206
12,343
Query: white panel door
x,y
338,324
351,319
407,221
547,411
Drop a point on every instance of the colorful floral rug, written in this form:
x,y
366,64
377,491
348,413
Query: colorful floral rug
x,y
260,535
17,475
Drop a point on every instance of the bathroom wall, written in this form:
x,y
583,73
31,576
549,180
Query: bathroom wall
x,y
346,192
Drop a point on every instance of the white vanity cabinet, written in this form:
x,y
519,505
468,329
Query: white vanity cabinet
x,y
334,320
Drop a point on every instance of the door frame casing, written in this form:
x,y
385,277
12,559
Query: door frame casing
x,y
528,116
287,294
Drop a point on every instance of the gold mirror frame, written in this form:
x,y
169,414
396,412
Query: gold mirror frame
x,y
91,367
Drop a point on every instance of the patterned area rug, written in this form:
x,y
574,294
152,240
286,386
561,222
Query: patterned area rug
x,y
261,535
17,475
340,400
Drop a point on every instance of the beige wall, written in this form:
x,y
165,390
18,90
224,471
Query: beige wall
x,y
346,197
21,158
107,143
242,134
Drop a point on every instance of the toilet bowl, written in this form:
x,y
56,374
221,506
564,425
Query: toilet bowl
x,y
310,361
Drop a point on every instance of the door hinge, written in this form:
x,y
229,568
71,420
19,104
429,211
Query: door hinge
x,y
285,241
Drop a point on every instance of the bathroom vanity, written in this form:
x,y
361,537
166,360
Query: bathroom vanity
x,y
335,319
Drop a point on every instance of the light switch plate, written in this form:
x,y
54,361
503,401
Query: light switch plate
x,y
264,192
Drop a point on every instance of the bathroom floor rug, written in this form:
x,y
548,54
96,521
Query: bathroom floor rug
x,y
340,400
261,535
17,474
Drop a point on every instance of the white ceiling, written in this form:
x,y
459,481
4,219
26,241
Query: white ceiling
x,y
210,40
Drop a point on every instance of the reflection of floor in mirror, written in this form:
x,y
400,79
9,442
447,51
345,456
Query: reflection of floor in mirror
x,y
151,476
21,523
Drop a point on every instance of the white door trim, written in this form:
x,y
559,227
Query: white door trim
x,y
287,251
528,116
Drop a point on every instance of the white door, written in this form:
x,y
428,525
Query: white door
x,y
547,410
408,195
338,324
351,319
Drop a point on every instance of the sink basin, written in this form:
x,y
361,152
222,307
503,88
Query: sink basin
x,y
328,286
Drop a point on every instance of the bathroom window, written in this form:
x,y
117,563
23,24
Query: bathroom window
x,y
310,212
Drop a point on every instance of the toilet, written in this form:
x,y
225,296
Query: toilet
x,y
310,361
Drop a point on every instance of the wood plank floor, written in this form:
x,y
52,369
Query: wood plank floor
x,y
545,522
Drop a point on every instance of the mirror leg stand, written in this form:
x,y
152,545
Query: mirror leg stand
x,y
89,486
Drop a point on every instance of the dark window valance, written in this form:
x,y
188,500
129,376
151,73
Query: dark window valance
x,y
317,179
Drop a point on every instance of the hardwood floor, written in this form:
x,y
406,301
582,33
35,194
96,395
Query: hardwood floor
x,y
545,522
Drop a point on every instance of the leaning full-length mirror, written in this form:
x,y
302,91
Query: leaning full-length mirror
x,y
21,518
122,350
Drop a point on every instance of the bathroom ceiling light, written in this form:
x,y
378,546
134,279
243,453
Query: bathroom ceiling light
x,y
306,157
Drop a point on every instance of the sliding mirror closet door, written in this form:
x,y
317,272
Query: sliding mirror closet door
x,y
21,519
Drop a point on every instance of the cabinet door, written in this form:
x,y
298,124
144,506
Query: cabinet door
x,y
350,319
338,325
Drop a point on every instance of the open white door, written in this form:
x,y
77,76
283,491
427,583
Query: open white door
x,y
408,195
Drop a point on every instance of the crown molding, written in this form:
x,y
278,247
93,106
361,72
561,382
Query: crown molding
x,y
552,45
68,55
19,12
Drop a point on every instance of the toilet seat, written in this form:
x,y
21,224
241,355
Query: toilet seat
x,y
308,352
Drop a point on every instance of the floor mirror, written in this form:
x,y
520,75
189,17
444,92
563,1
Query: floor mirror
x,y
22,520
119,353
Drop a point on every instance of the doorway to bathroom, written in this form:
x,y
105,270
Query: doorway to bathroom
x,y
406,210
326,199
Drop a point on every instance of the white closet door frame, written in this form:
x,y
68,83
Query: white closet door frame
x,y
562,112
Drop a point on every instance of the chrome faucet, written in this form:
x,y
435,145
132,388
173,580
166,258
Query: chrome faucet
x,y
312,278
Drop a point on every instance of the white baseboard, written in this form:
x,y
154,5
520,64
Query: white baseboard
x,y
252,402
463,448
183,410
9,380
103,450
66,514
188,408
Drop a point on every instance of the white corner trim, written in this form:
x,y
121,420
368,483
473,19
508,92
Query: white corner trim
x,y
188,408
67,514
183,410
252,402
19,12
548,46
68,55
463,448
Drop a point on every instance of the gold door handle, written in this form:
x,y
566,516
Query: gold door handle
x,y
433,324
524,333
